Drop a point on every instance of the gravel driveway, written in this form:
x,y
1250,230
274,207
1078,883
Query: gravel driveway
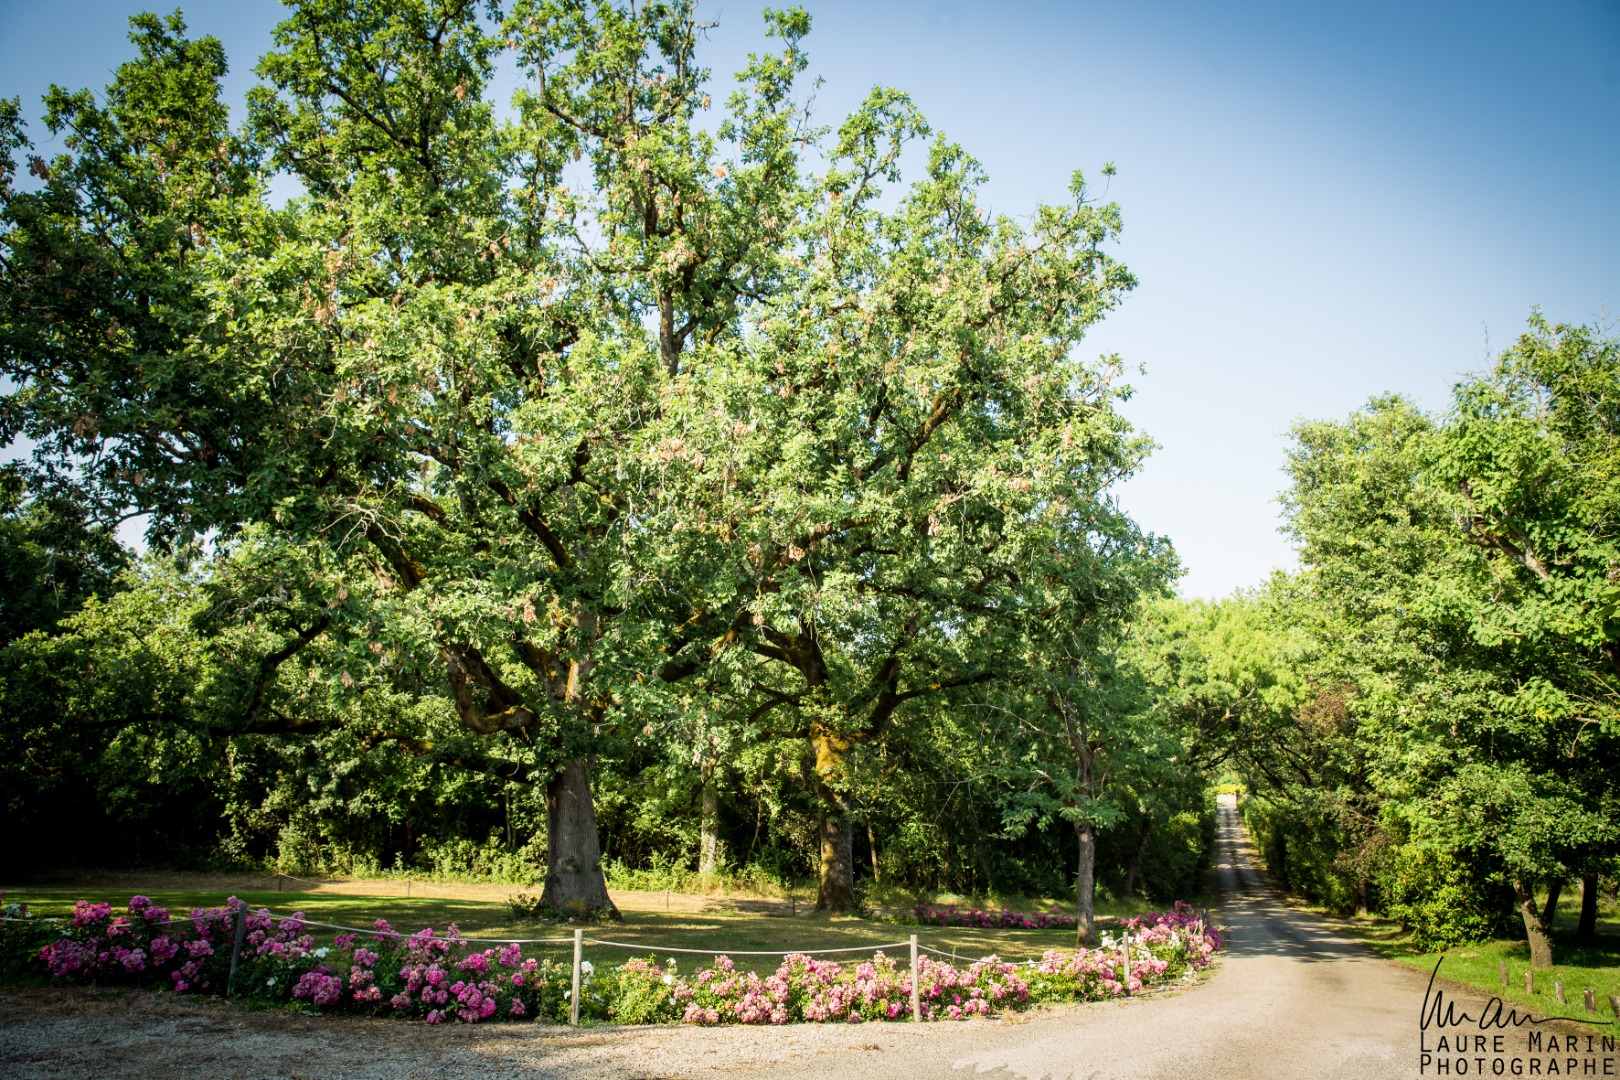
x,y
1289,999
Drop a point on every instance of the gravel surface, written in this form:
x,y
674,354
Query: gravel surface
x,y
1288,999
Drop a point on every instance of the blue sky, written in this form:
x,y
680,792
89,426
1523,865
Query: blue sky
x,y
1322,202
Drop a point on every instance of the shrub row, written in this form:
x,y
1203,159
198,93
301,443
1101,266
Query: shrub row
x,y
441,978
1004,919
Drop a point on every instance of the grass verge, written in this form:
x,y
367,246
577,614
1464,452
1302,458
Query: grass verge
x,y
1580,965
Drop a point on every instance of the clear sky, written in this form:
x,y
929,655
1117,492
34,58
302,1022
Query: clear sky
x,y
1323,202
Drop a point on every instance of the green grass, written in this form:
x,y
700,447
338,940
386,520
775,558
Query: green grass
x,y
1595,965
649,932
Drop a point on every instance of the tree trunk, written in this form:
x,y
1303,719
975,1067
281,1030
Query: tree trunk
x,y
836,891
1085,887
1549,912
1541,954
871,845
1136,856
1586,929
709,830
1362,907
575,886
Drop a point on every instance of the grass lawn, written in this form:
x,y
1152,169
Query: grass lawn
x,y
649,931
1595,965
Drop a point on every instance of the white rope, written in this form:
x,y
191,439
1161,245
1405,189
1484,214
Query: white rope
x,y
402,937
134,920
983,959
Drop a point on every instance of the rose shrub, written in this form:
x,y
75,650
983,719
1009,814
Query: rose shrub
x,y
1005,919
441,978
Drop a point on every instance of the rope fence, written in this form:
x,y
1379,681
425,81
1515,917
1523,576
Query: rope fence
x,y
579,942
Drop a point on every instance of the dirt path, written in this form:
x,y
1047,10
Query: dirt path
x,y
1289,1000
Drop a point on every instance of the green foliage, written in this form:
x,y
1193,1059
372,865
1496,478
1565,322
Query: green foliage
x,y
633,998
1447,900
1300,855
1459,735
751,469
53,555
1179,852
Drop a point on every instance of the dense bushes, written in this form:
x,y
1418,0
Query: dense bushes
x,y
1448,899
1301,852
1445,898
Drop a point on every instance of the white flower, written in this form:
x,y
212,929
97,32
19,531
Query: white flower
x,y
669,980
270,981
568,994
320,953
585,966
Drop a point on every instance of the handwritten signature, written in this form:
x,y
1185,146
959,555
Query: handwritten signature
x,y
1442,1013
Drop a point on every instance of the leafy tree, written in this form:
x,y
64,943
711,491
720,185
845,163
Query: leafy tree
x,y
1085,726
1531,454
577,402
1469,735
922,428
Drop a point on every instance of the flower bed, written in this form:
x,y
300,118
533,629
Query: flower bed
x,y
440,978
1005,919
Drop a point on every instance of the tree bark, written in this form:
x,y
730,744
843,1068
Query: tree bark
x,y
1549,912
1362,906
709,830
1541,954
575,886
1085,886
871,844
1586,929
836,890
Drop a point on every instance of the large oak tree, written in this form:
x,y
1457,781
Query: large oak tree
x,y
581,396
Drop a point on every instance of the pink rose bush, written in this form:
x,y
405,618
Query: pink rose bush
x,y
1180,921
443,978
1156,948
1005,919
822,991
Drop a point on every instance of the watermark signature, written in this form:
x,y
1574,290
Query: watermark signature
x,y
1501,1041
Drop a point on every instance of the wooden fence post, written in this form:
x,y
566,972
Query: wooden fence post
x,y
579,951
1589,999
1614,1006
1125,953
1529,982
236,949
1501,971
916,983
1558,991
